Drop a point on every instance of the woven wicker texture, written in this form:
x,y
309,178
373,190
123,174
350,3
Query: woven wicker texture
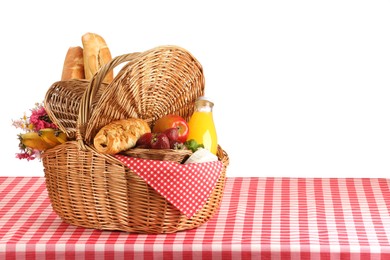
x,y
63,98
94,190
90,190
160,81
62,103
159,154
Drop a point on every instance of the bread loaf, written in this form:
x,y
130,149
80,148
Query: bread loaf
x,y
73,64
120,135
96,54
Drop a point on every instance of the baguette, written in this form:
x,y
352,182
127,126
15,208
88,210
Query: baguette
x,y
120,135
96,55
73,64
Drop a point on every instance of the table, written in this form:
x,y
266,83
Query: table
x,y
259,218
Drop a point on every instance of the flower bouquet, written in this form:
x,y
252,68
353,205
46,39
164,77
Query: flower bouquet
x,y
39,133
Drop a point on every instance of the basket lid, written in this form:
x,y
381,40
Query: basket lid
x,y
163,80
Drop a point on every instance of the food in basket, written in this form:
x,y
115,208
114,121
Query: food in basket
x,y
73,64
31,144
52,136
172,133
34,141
120,135
62,137
165,140
96,55
144,141
172,121
201,155
193,145
173,136
159,141
109,193
201,124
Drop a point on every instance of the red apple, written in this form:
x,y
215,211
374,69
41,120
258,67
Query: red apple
x,y
172,121
172,144
159,141
172,133
144,140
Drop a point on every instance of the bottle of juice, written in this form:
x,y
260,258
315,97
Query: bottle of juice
x,y
201,125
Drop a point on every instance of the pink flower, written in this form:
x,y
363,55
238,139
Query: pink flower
x,y
35,122
26,155
39,119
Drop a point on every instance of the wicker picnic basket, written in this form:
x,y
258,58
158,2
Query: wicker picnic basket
x,y
94,190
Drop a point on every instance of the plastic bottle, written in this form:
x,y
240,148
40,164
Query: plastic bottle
x,y
201,125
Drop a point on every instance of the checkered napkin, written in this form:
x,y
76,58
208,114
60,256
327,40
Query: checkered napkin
x,y
186,186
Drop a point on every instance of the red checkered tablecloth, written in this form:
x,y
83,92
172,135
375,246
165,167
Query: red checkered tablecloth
x,y
260,218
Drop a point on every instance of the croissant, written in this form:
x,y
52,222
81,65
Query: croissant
x,y
120,135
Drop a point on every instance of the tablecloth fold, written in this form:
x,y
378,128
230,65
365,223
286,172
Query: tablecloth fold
x,y
186,186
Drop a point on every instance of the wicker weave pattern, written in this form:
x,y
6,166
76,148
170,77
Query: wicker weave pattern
x,y
62,103
161,81
159,154
94,190
112,197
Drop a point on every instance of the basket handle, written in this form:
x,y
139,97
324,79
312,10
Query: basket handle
x,y
90,92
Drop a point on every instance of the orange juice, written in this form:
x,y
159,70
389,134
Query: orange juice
x,y
201,125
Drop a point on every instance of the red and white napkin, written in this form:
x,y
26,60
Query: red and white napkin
x,y
186,186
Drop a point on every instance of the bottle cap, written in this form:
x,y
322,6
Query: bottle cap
x,y
205,98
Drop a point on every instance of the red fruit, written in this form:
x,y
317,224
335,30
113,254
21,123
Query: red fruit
x,y
172,144
172,121
144,141
160,141
172,133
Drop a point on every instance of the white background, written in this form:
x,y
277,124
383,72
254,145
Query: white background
x,y
301,88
